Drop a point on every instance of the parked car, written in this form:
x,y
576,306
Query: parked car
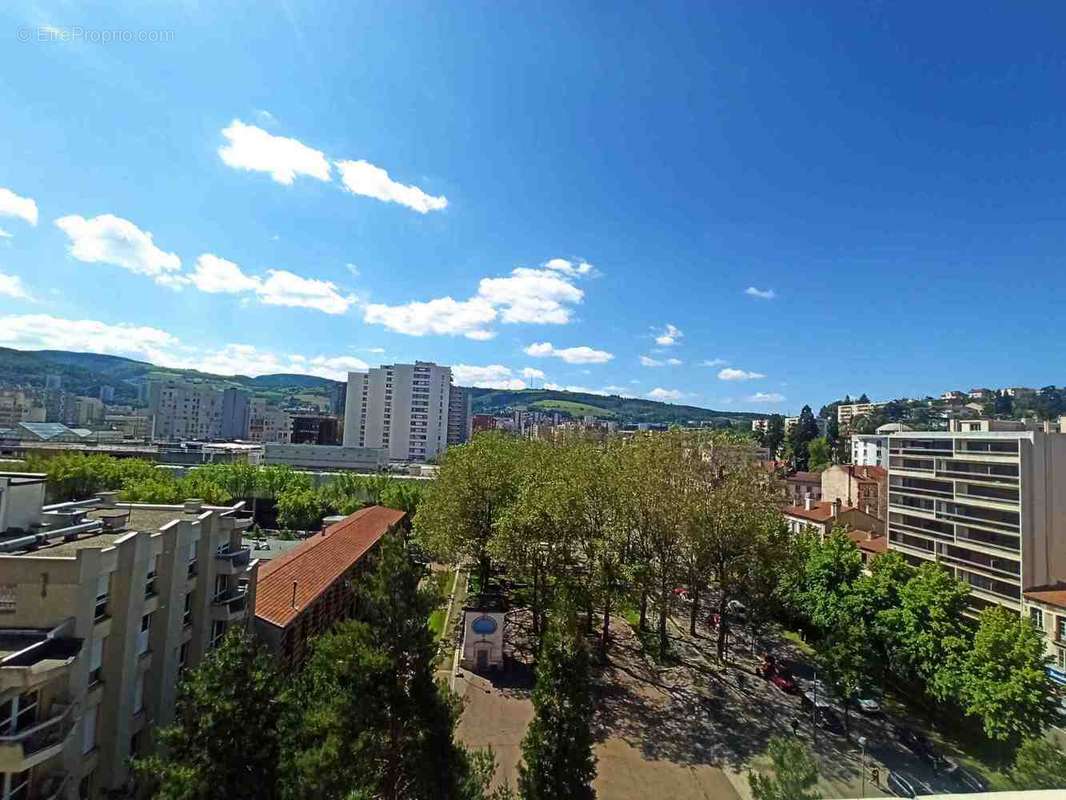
x,y
784,682
867,705
903,785
965,780
828,719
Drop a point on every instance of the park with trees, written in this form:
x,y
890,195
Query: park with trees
x,y
651,535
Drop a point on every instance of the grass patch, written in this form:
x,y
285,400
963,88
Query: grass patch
x,y
436,623
800,645
573,408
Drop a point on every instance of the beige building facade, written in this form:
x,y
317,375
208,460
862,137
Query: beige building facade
x,y
985,500
101,608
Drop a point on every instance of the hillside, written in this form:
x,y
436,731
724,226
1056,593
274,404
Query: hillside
x,y
626,410
85,373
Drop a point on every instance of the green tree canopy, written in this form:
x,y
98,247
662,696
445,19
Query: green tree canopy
x,y
1038,764
792,773
224,742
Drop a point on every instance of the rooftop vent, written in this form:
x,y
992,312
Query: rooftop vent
x,y
194,505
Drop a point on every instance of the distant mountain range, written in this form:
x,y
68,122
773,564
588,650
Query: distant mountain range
x,y
85,373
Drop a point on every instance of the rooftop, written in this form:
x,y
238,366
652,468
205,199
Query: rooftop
x,y
869,542
1051,595
805,477
317,563
820,511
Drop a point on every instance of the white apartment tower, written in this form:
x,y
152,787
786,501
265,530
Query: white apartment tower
x,y
986,501
401,408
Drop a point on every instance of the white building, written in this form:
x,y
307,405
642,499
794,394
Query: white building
x,y
868,450
402,408
269,425
326,457
985,501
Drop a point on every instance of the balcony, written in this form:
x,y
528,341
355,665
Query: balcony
x,y
38,743
234,561
53,787
229,606
34,657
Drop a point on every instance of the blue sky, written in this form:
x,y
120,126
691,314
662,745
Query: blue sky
x,y
797,202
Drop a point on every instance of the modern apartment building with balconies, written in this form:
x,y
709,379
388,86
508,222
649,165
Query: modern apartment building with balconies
x,y
986,500
101,608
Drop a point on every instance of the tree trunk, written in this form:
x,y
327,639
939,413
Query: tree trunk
x,y
606,631
643,609
722,625
484,564
664,611
534,603
694,612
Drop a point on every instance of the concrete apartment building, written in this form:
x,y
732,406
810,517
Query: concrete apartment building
x,y
185,411
460,416
846,412
310,588
869,450
18,406
269,425
402,408
330,458
101,607
986,501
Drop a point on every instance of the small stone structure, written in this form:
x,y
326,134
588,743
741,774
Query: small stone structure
x,y
483,633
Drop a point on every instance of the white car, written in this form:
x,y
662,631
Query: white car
x,y
867,705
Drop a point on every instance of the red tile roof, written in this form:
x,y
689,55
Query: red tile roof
x,y
820,511
1052,595
874,543
805,477
318,562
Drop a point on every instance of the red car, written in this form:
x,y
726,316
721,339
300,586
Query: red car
x,y
784,683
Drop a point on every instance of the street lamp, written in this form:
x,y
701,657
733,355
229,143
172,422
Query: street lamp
x,y
862,744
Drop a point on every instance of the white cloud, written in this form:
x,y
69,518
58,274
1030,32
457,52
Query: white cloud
x,y
571,355
216,275
353,270
571,268
766,397
43,331
714,362
530,296
648,361
12,286
363,178
731,374
532,372
265,117
283,288
761,294
46,332
666,395
107,239
375,350
670,335
444,316
493,376
5,234
252,148
11,205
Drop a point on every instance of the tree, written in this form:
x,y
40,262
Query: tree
x,y
846,662
793,773
1004,677
831,569
365,716
775,434
224,741
557,757
926,633
462,507
819,454
863,398
300,509
803,432
1038,764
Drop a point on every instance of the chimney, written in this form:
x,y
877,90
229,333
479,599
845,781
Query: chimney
x,y
294,594
194,505
808,503
835,507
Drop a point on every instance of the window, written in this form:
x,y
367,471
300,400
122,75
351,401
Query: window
x,y
96,661
18,713
138,694
183,657
1060,658
221,585
218,631
1036,616
186,615
142,637
192,559
1060,628
149,580
103,585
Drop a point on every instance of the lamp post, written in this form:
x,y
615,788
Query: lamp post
x,y
862,744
